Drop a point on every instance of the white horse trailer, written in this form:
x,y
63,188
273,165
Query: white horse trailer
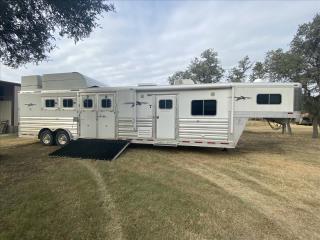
x,y
67,106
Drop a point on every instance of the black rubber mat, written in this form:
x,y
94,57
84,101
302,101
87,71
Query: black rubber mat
x,y
92,149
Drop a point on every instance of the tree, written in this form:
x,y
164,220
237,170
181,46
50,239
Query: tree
x,y
306,44
206,69
179,75
258,72
239,73
28,28
283,66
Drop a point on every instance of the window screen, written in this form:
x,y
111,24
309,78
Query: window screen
x,y
204,107
67,103
87,103
165,104
50,103
269,99
106,103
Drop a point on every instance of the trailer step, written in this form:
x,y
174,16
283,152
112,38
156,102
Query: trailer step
x,y
99,149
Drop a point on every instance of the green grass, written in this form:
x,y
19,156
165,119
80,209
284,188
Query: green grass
x,y
268,188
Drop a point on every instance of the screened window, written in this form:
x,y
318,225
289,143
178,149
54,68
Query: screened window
x,y
67,103
269,99
87,103
165,104
50,103
204,107
106,103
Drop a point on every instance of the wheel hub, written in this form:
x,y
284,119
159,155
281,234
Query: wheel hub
x,y
47,139
62,139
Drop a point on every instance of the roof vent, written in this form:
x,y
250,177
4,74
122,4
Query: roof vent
x,y
260,80
183,82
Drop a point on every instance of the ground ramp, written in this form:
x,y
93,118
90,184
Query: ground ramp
x,y
92,149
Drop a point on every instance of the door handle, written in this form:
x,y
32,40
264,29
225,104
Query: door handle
x,y
157,117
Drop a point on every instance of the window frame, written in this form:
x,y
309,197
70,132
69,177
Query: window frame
x,y
83,97
56,103
203,110
107,97
87,99
269,99
74,103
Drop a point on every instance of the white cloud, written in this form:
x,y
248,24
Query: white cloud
x,y
148,41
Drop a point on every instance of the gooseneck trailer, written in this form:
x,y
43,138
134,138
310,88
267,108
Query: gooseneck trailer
x,y
58,108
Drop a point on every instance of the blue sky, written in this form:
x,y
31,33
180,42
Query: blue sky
x,y
147,41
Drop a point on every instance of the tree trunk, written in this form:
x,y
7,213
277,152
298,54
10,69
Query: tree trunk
x,y
315,133
283,128
288,126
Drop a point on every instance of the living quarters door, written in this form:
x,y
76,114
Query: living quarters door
x,y
166,117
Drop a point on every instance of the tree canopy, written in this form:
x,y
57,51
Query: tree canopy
x,y
28,28
258,72
239,73
306,44
203,69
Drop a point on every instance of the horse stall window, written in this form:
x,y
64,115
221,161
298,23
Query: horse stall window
x,y
50,103
106,103
203,107
87,103
67,103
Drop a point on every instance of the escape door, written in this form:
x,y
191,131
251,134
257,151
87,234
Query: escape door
x,y
88,116
106,116
166,116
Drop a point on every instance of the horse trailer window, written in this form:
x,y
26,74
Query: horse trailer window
x,y
67,103
106,103
50,103
209,107
269,99
204,107
87,103
275,98
165,104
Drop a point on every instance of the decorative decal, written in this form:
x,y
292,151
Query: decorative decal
x,y
30,104
138,103
241,98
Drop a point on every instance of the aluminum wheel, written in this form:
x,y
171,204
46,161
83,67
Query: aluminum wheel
x,y
47,139
62,139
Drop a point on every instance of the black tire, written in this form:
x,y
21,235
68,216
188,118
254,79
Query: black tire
x,y
46,138
62,138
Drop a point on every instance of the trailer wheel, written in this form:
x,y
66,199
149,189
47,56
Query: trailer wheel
x,y
62,138
46,138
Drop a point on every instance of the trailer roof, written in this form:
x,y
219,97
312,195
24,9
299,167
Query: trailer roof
x,y
190,87
177,87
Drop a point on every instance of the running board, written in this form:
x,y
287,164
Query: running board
x,y
166,144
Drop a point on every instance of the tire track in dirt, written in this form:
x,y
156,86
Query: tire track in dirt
x,y
114,228
283,215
